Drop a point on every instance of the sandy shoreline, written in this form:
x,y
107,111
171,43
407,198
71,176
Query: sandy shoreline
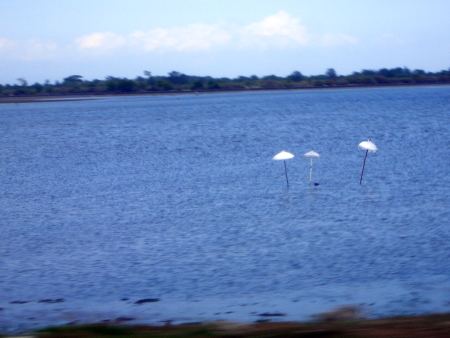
x,y
33,99
81,97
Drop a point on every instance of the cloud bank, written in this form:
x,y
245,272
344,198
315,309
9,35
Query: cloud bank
x,y
278,31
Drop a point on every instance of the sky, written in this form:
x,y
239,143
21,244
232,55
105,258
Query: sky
x,y
52,39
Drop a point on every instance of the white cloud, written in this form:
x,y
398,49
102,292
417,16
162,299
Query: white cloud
x,y
32,49
279,29
100,41
390,39
331,40
196,37
38,49
5,43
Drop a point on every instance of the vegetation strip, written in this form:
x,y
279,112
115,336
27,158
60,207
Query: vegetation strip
x,y
176,82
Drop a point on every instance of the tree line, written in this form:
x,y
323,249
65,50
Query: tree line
x,y
178,82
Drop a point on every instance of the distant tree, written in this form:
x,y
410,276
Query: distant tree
x,y
178,78
406,71
296,76
396,72
164,85
271,77
19,91
367,72
37,87
418,72
111,83
213,85
97,86
125,85
140,83
22,82
73,79
72,84
197,85
331,73
384,72
48,87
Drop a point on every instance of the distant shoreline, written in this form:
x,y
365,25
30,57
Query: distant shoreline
x,y
82,97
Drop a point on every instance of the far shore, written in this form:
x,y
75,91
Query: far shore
x,y
81,97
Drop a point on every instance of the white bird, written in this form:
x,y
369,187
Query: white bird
x,y
368,146
311,155
283,156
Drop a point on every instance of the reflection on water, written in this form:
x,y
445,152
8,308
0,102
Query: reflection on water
x,y
177,198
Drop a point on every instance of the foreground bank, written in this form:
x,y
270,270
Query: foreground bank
x,y
437,325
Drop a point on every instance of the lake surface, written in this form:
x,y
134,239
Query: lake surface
x,y
105,202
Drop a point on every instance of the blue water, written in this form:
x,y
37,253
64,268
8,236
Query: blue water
x,y
176,197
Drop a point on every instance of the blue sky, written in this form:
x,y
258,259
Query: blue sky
x,y
51,39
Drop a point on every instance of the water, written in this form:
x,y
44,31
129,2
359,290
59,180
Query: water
x,y
177,198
